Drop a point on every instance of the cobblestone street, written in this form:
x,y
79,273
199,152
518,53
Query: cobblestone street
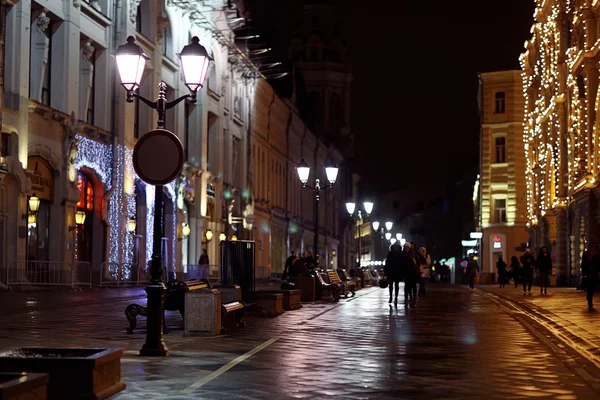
x,y
456,343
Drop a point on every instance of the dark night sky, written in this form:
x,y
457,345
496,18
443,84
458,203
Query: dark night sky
x,y
415,64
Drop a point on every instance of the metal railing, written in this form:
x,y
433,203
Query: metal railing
x,y
117,274
48,273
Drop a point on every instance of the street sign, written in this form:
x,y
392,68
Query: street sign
x,y
158,157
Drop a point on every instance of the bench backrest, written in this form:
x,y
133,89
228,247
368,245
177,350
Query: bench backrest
x,y
195,284
343,274
334,277
321,280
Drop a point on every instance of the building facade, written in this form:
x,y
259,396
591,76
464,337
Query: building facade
x,y
502,171
68,136
560,85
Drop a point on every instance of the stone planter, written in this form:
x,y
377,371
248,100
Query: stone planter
x,y
291,298
75,373
271,301
23,386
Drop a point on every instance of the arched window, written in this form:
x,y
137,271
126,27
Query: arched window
x,y
335,107
143,19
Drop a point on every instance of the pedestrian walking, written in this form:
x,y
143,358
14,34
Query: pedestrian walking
x,y
501,266
471,271
425,261
515,270
528,263
411,275
544,267
395,264
204,265
590,266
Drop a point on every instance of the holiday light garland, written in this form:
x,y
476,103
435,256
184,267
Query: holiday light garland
x,y
98,157
556,88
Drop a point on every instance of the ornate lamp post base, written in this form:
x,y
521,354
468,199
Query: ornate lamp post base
x,y
154,345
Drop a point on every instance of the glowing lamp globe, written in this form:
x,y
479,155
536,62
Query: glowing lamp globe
x,y
368,205
131,61
194,62
131,225
331,170
303,171
34,203
80,217
375,225
209,235
185,230
350,207
389,225
388,236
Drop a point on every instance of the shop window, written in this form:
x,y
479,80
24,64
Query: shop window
x,y
84,233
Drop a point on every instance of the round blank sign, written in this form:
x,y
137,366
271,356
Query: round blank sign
x,y
158,157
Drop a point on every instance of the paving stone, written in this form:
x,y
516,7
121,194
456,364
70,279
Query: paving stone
x,y
455,344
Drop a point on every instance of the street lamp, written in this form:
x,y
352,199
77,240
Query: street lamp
x,y
131,225
375,226
398,236
389,225
331,171
368,207
131,62
388,235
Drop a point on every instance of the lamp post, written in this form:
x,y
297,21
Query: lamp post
x,y
368,207
331,171
131,61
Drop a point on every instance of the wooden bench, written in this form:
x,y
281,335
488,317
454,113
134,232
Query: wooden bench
x,y
346,288
174,300
330,288
343,274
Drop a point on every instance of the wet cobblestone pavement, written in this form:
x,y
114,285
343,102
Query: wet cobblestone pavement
x,y
455,344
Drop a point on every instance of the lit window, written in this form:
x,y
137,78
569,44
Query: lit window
x,y
501,149
500,102
500,210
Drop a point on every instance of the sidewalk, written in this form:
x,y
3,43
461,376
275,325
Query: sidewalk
x,y
563,311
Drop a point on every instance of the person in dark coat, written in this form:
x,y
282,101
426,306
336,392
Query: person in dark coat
x,y
501,266
471,272
544,267
590,266
515,270
411,275
528,263
394,267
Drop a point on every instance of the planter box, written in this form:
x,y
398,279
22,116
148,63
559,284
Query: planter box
x,y
75,373
272,301
23,386
291,298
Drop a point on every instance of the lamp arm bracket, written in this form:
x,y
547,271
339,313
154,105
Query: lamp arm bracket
x,y
131,95
171,104
309,187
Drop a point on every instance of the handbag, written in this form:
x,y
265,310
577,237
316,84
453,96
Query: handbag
x,y
383,283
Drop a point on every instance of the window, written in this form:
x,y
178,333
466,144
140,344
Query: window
x,y
500,210
138,19
500,102
89,115
335,108
501,149
5,151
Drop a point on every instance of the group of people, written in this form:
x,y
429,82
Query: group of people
x,y
523,271
298,264
408,265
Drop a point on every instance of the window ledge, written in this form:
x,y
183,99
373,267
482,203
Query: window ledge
x,y
95,14
499,165
167,62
